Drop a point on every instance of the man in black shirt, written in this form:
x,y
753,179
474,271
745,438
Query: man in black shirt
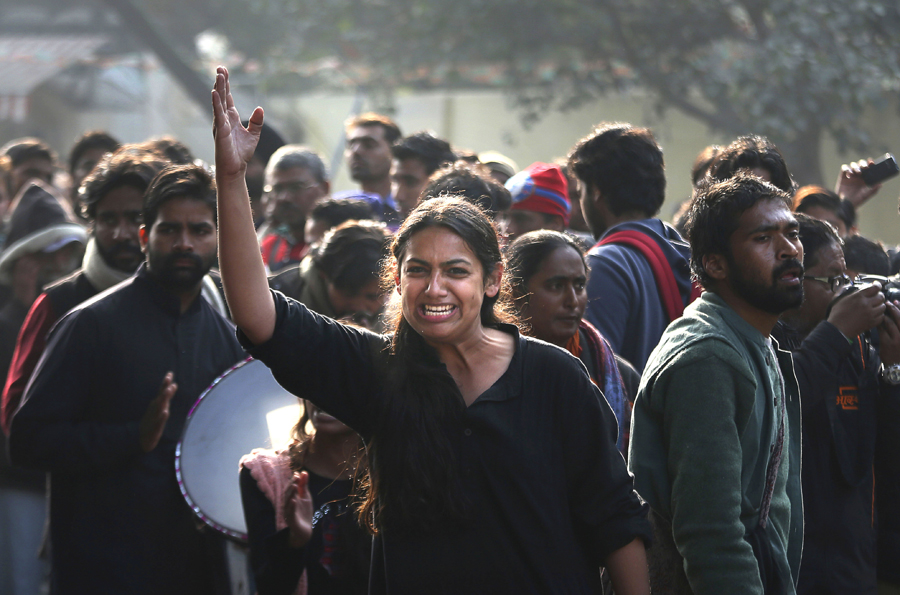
x,y
103,412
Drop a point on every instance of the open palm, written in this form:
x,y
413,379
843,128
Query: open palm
x,y
234,143
298,510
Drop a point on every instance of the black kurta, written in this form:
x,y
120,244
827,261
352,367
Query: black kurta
x,y
549,493
118,521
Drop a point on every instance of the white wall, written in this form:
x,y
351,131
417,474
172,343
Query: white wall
x,y
476,120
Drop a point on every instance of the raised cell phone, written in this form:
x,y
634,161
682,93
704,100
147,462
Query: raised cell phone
x,y
882,169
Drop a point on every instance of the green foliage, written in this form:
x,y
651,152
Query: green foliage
x,y
790,69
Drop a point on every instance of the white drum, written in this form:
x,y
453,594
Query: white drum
x,y
243,409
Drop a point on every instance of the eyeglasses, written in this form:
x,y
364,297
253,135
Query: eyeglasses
x,y
289,188
835,283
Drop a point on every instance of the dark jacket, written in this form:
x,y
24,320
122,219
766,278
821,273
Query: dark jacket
x,y
118,521
842,398
57,299
623,299
887,488
702,431
12,315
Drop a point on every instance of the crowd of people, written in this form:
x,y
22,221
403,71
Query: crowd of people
x,y
511,380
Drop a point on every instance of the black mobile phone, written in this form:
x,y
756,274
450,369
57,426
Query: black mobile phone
x,y
883,168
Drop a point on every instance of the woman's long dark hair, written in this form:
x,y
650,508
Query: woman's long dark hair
x,y
413,481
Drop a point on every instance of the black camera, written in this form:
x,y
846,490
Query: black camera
x,y
890,286
882,169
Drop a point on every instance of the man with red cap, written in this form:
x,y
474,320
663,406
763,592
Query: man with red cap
x,y
540,200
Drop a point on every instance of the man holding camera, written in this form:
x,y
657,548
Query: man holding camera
x,y
847,397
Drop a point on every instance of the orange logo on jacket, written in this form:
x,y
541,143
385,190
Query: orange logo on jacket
x,y
848,398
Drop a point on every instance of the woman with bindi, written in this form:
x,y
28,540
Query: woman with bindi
x,y
493,465
548,274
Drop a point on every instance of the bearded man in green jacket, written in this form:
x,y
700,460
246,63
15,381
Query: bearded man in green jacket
x,y
715,439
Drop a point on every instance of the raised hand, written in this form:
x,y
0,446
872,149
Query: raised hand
x,y
157,414
298,510
850,185
234,143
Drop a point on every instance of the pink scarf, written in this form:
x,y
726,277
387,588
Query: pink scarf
x,y
273,475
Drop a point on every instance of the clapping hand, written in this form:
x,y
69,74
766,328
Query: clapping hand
x,y
157,414
298,510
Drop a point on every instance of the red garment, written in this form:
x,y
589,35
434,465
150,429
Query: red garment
x,y
29,348
278,251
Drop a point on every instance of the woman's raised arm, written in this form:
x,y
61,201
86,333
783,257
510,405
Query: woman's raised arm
x,y
243,271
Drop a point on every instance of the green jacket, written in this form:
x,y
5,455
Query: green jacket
x,y
702,429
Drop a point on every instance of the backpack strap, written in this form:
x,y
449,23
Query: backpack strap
x,y
662,270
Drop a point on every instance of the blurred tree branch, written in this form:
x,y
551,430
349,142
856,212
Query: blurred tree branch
x,y
792,70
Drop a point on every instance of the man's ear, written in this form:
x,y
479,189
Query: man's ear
x,y
593,194
144,234
716,266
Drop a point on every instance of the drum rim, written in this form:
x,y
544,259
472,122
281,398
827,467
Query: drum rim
x,y
242,537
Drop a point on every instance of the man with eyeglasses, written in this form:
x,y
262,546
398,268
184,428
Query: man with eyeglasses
x,y
849,390
296,179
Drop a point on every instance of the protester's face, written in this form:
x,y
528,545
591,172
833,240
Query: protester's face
x,y
32,272
293,193
765,266
61,262
117,225
442,286
817,295
85,164
557,297
368,300
515,222
181,244
34,168
409,179
58,263
323,422
368,154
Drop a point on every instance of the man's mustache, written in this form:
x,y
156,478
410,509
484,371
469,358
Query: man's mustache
x,y
170,259
787,266
125,248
